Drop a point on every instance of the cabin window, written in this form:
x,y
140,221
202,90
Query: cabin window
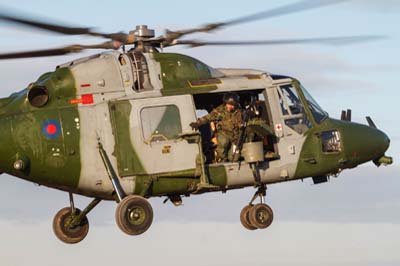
x,y
160,123
293,110
331,141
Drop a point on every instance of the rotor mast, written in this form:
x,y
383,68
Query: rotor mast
x,y
142,32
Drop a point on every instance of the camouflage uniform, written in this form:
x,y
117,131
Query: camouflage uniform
x,y
258,127
227,129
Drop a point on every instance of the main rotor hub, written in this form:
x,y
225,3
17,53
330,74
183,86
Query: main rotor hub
x,y
143,31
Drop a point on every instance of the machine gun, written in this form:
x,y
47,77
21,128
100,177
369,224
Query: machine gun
x,y
249,112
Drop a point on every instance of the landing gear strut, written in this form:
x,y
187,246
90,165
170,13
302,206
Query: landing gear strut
x,y
257,216
134,214
70,224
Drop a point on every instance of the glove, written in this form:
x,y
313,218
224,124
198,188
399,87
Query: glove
x,y
194,125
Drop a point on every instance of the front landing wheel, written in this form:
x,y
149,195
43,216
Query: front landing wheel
x,y
66,233
134,215
261,216
244,218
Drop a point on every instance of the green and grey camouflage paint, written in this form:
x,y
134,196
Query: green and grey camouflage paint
x,y
92,100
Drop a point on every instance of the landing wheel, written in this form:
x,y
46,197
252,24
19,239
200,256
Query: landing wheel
x,y
134,215
66,233
261,216
244,218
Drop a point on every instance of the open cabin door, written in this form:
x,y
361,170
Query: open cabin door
x,y
147,135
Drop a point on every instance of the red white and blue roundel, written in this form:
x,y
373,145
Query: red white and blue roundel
x,y
51,129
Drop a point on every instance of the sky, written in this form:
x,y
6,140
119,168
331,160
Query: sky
x,y
354,219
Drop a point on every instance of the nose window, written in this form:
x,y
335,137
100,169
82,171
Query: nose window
x,y
331,141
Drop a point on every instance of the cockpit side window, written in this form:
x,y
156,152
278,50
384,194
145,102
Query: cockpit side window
x,y
293,100
292,109
318,113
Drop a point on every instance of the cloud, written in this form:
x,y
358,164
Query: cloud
x,y
356,196
207,244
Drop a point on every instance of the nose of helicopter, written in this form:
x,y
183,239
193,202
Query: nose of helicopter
x,y
382,141
367,143
386,141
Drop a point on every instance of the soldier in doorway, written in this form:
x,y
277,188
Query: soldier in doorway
x,y
228,119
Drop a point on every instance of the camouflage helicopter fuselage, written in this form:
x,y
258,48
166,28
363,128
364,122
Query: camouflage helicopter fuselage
x,y
111,99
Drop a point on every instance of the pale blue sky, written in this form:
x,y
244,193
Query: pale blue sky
x,y
352,220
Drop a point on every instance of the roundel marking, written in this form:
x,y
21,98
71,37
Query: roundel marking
x,y
51,129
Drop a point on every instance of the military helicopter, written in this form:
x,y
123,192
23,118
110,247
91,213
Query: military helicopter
x,y
115,126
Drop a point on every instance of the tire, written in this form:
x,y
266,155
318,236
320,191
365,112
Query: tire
x,y
69,235
134,215
261,216
244,218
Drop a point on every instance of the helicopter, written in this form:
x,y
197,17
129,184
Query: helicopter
x,y
116,125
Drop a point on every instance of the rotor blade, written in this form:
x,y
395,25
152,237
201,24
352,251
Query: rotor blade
x,y
45,26
370,122
119,36
60,51
171,36
284,10
325,41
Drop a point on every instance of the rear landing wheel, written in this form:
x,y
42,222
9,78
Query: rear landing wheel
x,y
244,218
261,216
134,215
66,233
